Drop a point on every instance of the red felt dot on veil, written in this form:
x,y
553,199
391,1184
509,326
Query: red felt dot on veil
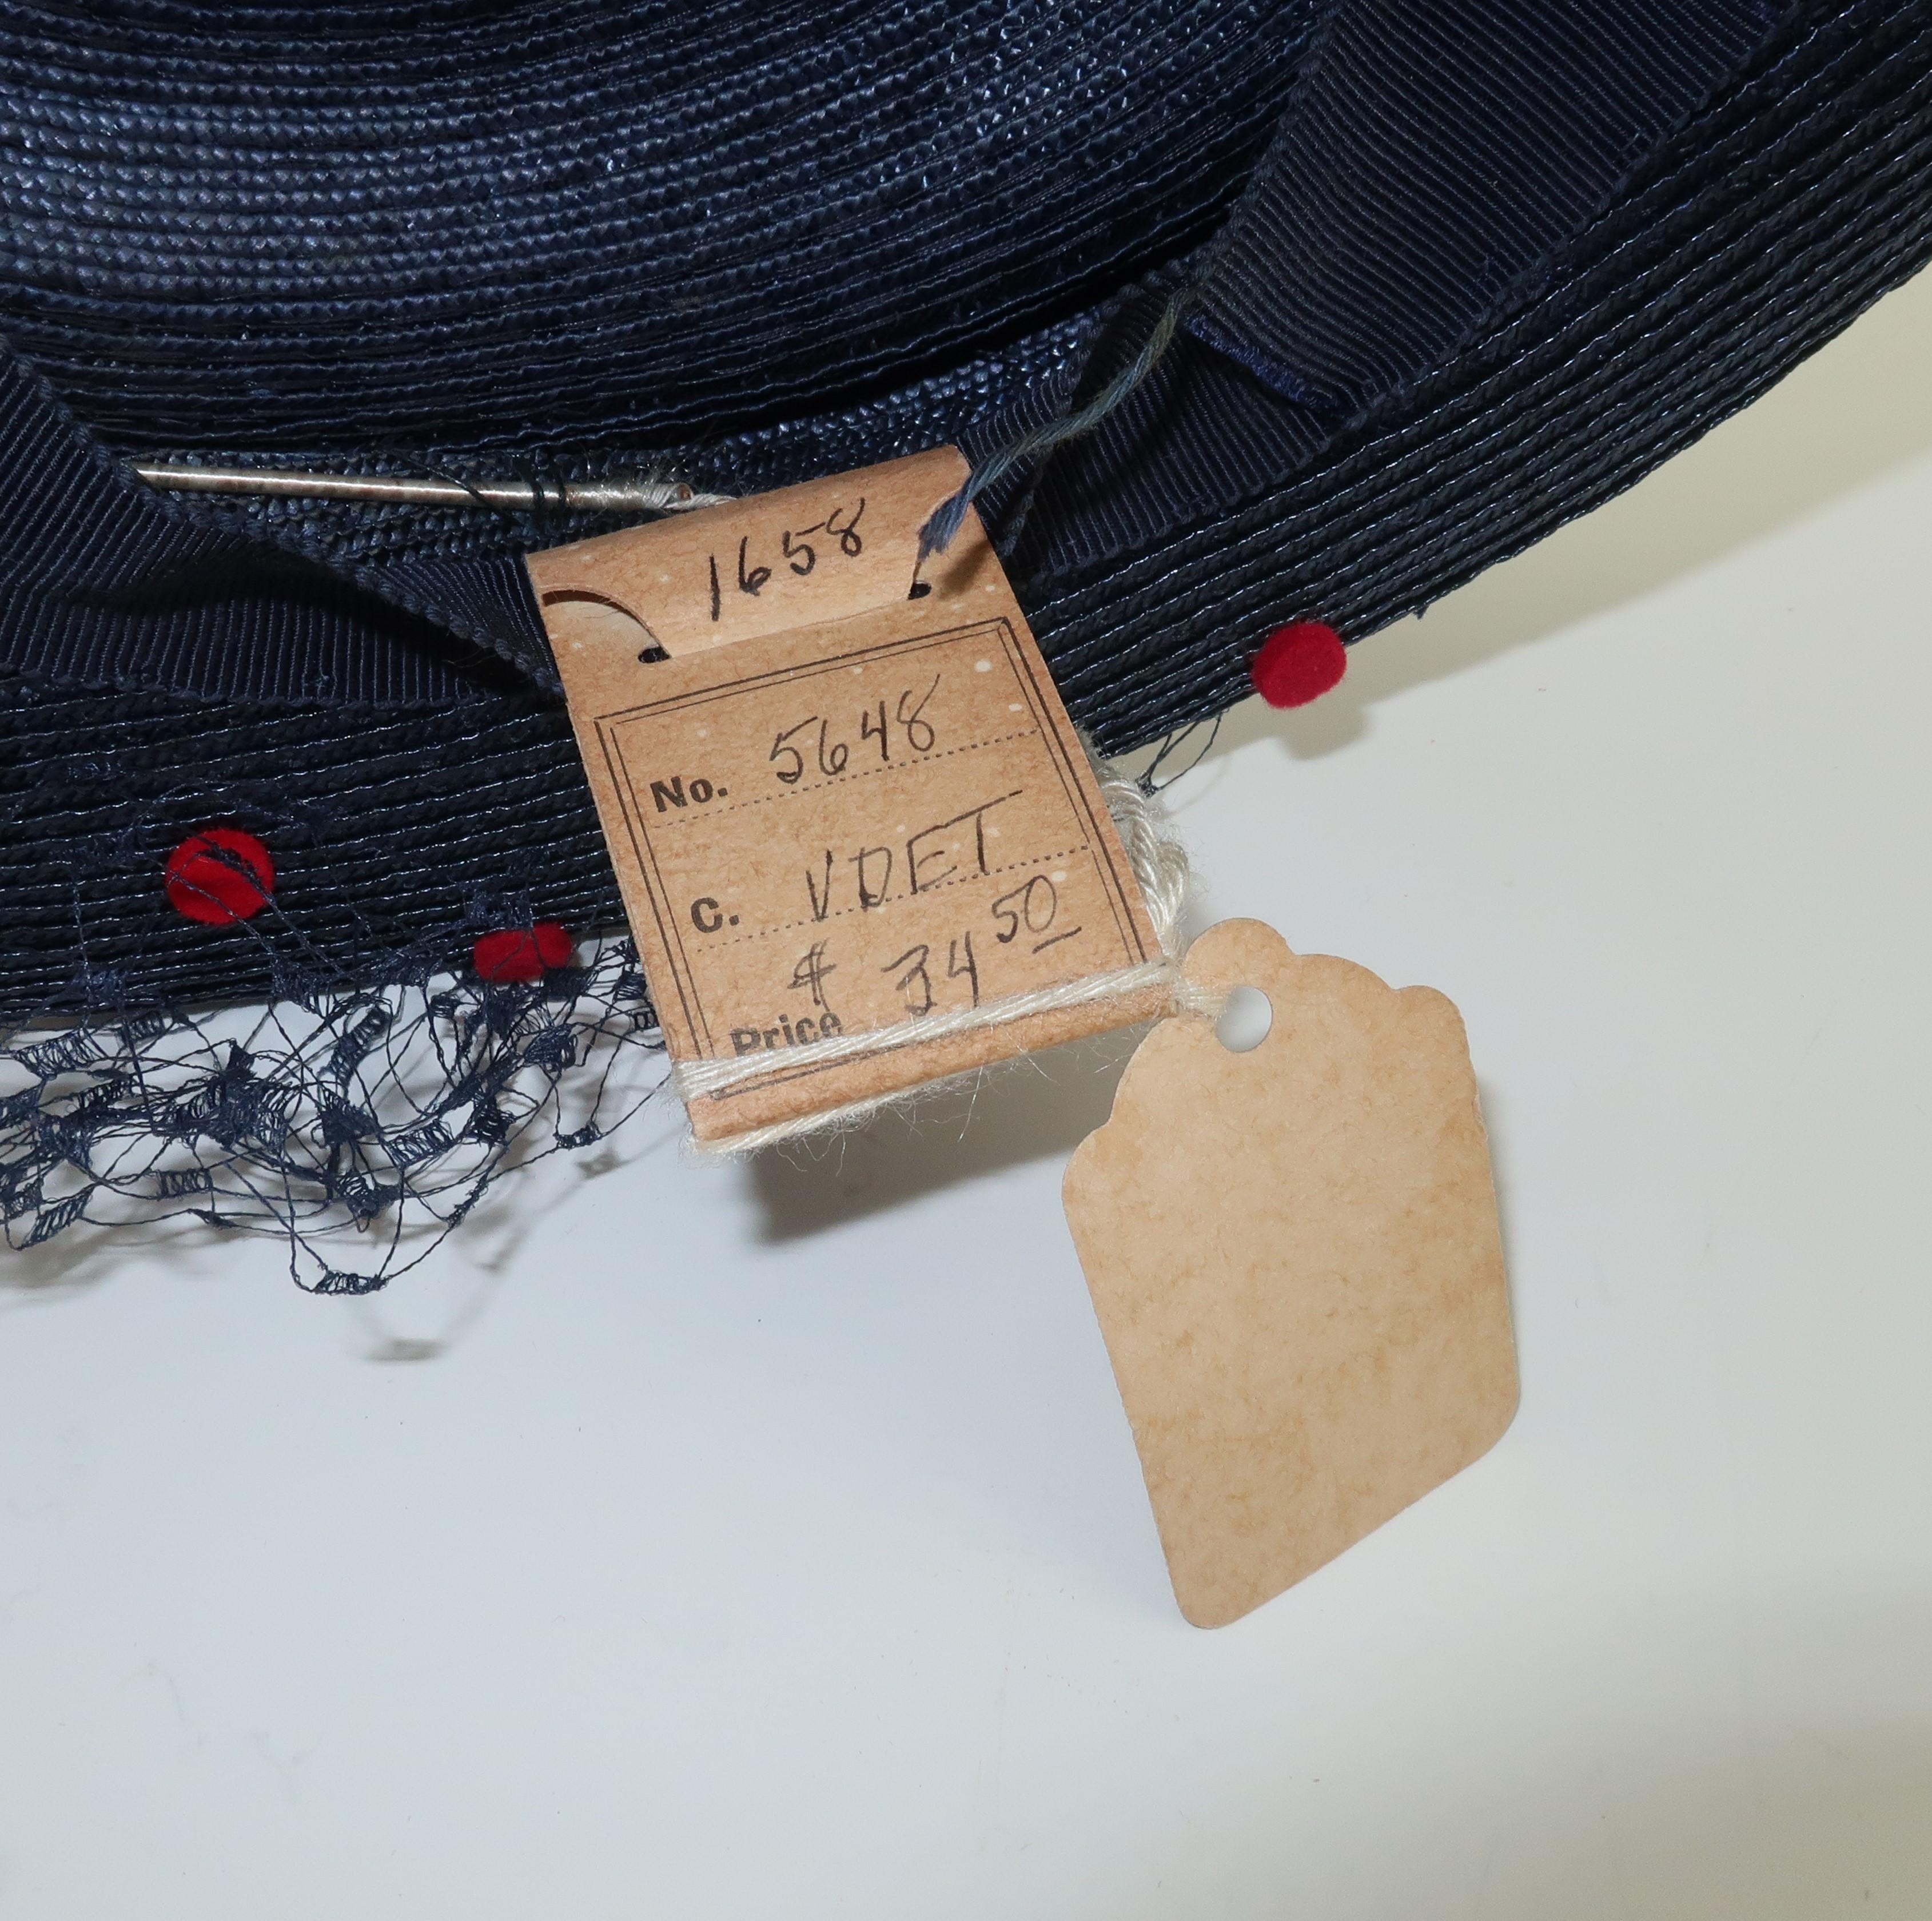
x,y
1298,663
522,954
220,875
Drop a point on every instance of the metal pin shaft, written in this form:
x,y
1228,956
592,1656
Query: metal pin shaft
x,y
576,496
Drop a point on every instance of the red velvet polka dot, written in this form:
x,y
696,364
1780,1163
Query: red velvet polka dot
x,y
522,954
555,948
1298,663
220,875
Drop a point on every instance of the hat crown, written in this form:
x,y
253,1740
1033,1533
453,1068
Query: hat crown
x,y
334,229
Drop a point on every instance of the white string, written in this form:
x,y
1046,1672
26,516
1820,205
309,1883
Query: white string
x,y
1160,865
1157,857
703,1077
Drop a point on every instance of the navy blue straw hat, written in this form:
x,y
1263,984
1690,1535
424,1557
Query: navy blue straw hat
x,y
1425,282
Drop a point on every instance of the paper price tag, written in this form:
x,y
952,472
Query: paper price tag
x,y
842,796
1296,1261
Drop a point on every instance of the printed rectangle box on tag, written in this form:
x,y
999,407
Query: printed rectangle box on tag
x,y
841,792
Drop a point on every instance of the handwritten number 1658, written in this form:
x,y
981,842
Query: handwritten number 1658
x,y
795,549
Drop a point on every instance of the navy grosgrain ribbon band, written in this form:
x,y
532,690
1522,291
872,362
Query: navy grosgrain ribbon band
x,y
105,583
1430,157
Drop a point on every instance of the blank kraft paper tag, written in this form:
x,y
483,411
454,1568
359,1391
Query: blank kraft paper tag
x,y
841,795
1294,1256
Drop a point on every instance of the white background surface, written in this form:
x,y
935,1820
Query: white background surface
x,y
770,1542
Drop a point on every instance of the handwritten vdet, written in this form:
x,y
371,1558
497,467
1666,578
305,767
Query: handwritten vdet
x,y
853,824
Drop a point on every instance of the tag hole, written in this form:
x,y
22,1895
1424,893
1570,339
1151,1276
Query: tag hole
x,y
1245,1020
582,618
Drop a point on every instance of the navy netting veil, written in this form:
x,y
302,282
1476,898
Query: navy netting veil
x,y
1446,275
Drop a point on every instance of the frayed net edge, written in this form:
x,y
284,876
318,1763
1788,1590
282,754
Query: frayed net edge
x,y
378,1114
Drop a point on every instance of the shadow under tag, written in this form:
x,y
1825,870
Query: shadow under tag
x,y
1294,1255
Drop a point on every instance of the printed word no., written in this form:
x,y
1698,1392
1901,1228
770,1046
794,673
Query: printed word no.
x,y
673,793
